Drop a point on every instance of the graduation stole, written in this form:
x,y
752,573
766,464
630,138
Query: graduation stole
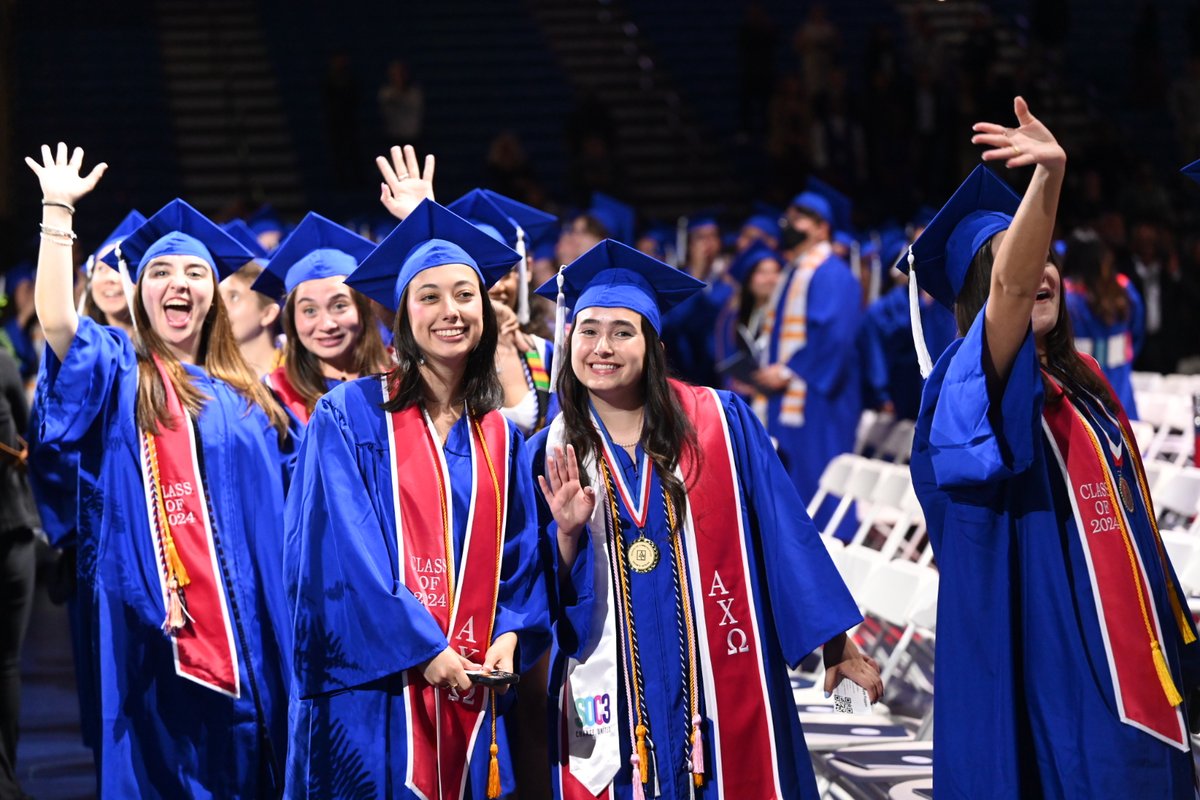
x,y
1102,502
730,649
789,317
442,727
538,380
287,394
197,615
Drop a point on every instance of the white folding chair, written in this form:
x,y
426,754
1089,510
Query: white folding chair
x,y
833,480
1174,438
1143,434
897,446
1145,382
1178,494
882,504
857,487
1182,549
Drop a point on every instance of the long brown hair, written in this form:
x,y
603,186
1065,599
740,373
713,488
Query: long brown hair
x,y
666,432
303,369
1090,262
481,386
1062,360
220,357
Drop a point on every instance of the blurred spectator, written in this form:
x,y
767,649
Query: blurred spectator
x,y
1147,74
402,107
816,42
838,143
22,335
1184,102
509,170
591,133
340,94
788,130
1169,293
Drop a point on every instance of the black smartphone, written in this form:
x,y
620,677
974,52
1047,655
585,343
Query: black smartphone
x,y
493,678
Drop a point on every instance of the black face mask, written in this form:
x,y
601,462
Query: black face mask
x,y
789,237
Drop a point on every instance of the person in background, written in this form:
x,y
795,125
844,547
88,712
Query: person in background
x,y
20,325
402,105
1106,313
253,316
756,271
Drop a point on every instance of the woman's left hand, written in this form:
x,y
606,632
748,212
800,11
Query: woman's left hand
x,y
1030,143
853,664
404,186
499,656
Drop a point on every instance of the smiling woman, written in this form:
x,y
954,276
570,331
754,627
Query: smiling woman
x,y
180,487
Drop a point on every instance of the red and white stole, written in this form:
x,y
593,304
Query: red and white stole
x,y
198,620
1129,621
287,394
736,702
442,728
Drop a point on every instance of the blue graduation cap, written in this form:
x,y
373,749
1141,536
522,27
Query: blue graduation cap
x,y
814,203
765,223
177,229
979,209
265,220
840,206
133,220
702,221
537,224
239,230
431,236
617,218
18,274
317,248
741,267
479,209
1192,170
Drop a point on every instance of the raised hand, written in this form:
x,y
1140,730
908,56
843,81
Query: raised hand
x,y
404,186
1029,143
60,176
570,501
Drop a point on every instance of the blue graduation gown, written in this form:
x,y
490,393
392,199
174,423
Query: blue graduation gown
x,y
1114,346
799,599
162,735
887,351
1025,705
357,627
828,363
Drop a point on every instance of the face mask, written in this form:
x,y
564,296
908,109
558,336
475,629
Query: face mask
x,y
790,237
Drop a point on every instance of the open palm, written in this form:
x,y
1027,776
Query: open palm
x,y
570,501
60,175
1028,144
404,186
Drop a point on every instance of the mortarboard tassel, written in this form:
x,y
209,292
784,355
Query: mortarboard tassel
x,y
126,286
522,280
681,239
560,330
914,313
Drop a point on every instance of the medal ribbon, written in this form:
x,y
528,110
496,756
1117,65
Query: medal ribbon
x,y
443,727
1142,684
197,615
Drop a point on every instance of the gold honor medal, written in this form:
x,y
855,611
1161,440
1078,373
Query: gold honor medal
x,y
643,555
1126,494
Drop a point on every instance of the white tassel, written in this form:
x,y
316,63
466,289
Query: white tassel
x,y
875,279
914,314
560,330
681,239
522,280
127,286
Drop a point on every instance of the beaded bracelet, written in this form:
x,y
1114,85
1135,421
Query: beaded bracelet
x,y
56,240
70,208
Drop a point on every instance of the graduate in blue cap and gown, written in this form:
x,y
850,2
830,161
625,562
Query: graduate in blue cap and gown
x,y
20,329
688,573
253,316
523,360
756,272
54,470
1064,642
330,328
689,329
180,497
891,375
411,552
811,395
1107,314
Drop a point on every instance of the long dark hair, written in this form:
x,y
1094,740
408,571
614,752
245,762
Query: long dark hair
x,y
1090,262
1062,360
303,369
666,431
481,386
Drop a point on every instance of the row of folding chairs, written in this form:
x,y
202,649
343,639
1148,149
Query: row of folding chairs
x,y
881,435
1166,384
1166,430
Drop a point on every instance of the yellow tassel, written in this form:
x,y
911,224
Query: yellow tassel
x,y
181,573
1185,627
643,756
493,789
1164,675
697,779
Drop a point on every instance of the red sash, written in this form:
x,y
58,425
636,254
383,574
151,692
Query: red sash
x,y
193,595
1142,684
730,646
442,728
287,394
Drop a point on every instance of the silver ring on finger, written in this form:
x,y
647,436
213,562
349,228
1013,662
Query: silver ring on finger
x,y
404,176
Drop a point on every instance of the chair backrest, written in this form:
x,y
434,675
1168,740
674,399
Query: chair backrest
x,y
833,480
891,590
1178,492
898,445
1182,548
858,565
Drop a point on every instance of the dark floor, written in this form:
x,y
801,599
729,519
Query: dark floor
x,y
52,763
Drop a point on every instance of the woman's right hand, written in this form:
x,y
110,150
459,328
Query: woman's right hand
x,y
448,670
1030,143
570,501
60,177
404,186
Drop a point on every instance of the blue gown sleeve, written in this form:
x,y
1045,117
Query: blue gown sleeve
x,y
354,620
809,602
1137,318
78,388
869,344
521,605
569,596
977,440
834,299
